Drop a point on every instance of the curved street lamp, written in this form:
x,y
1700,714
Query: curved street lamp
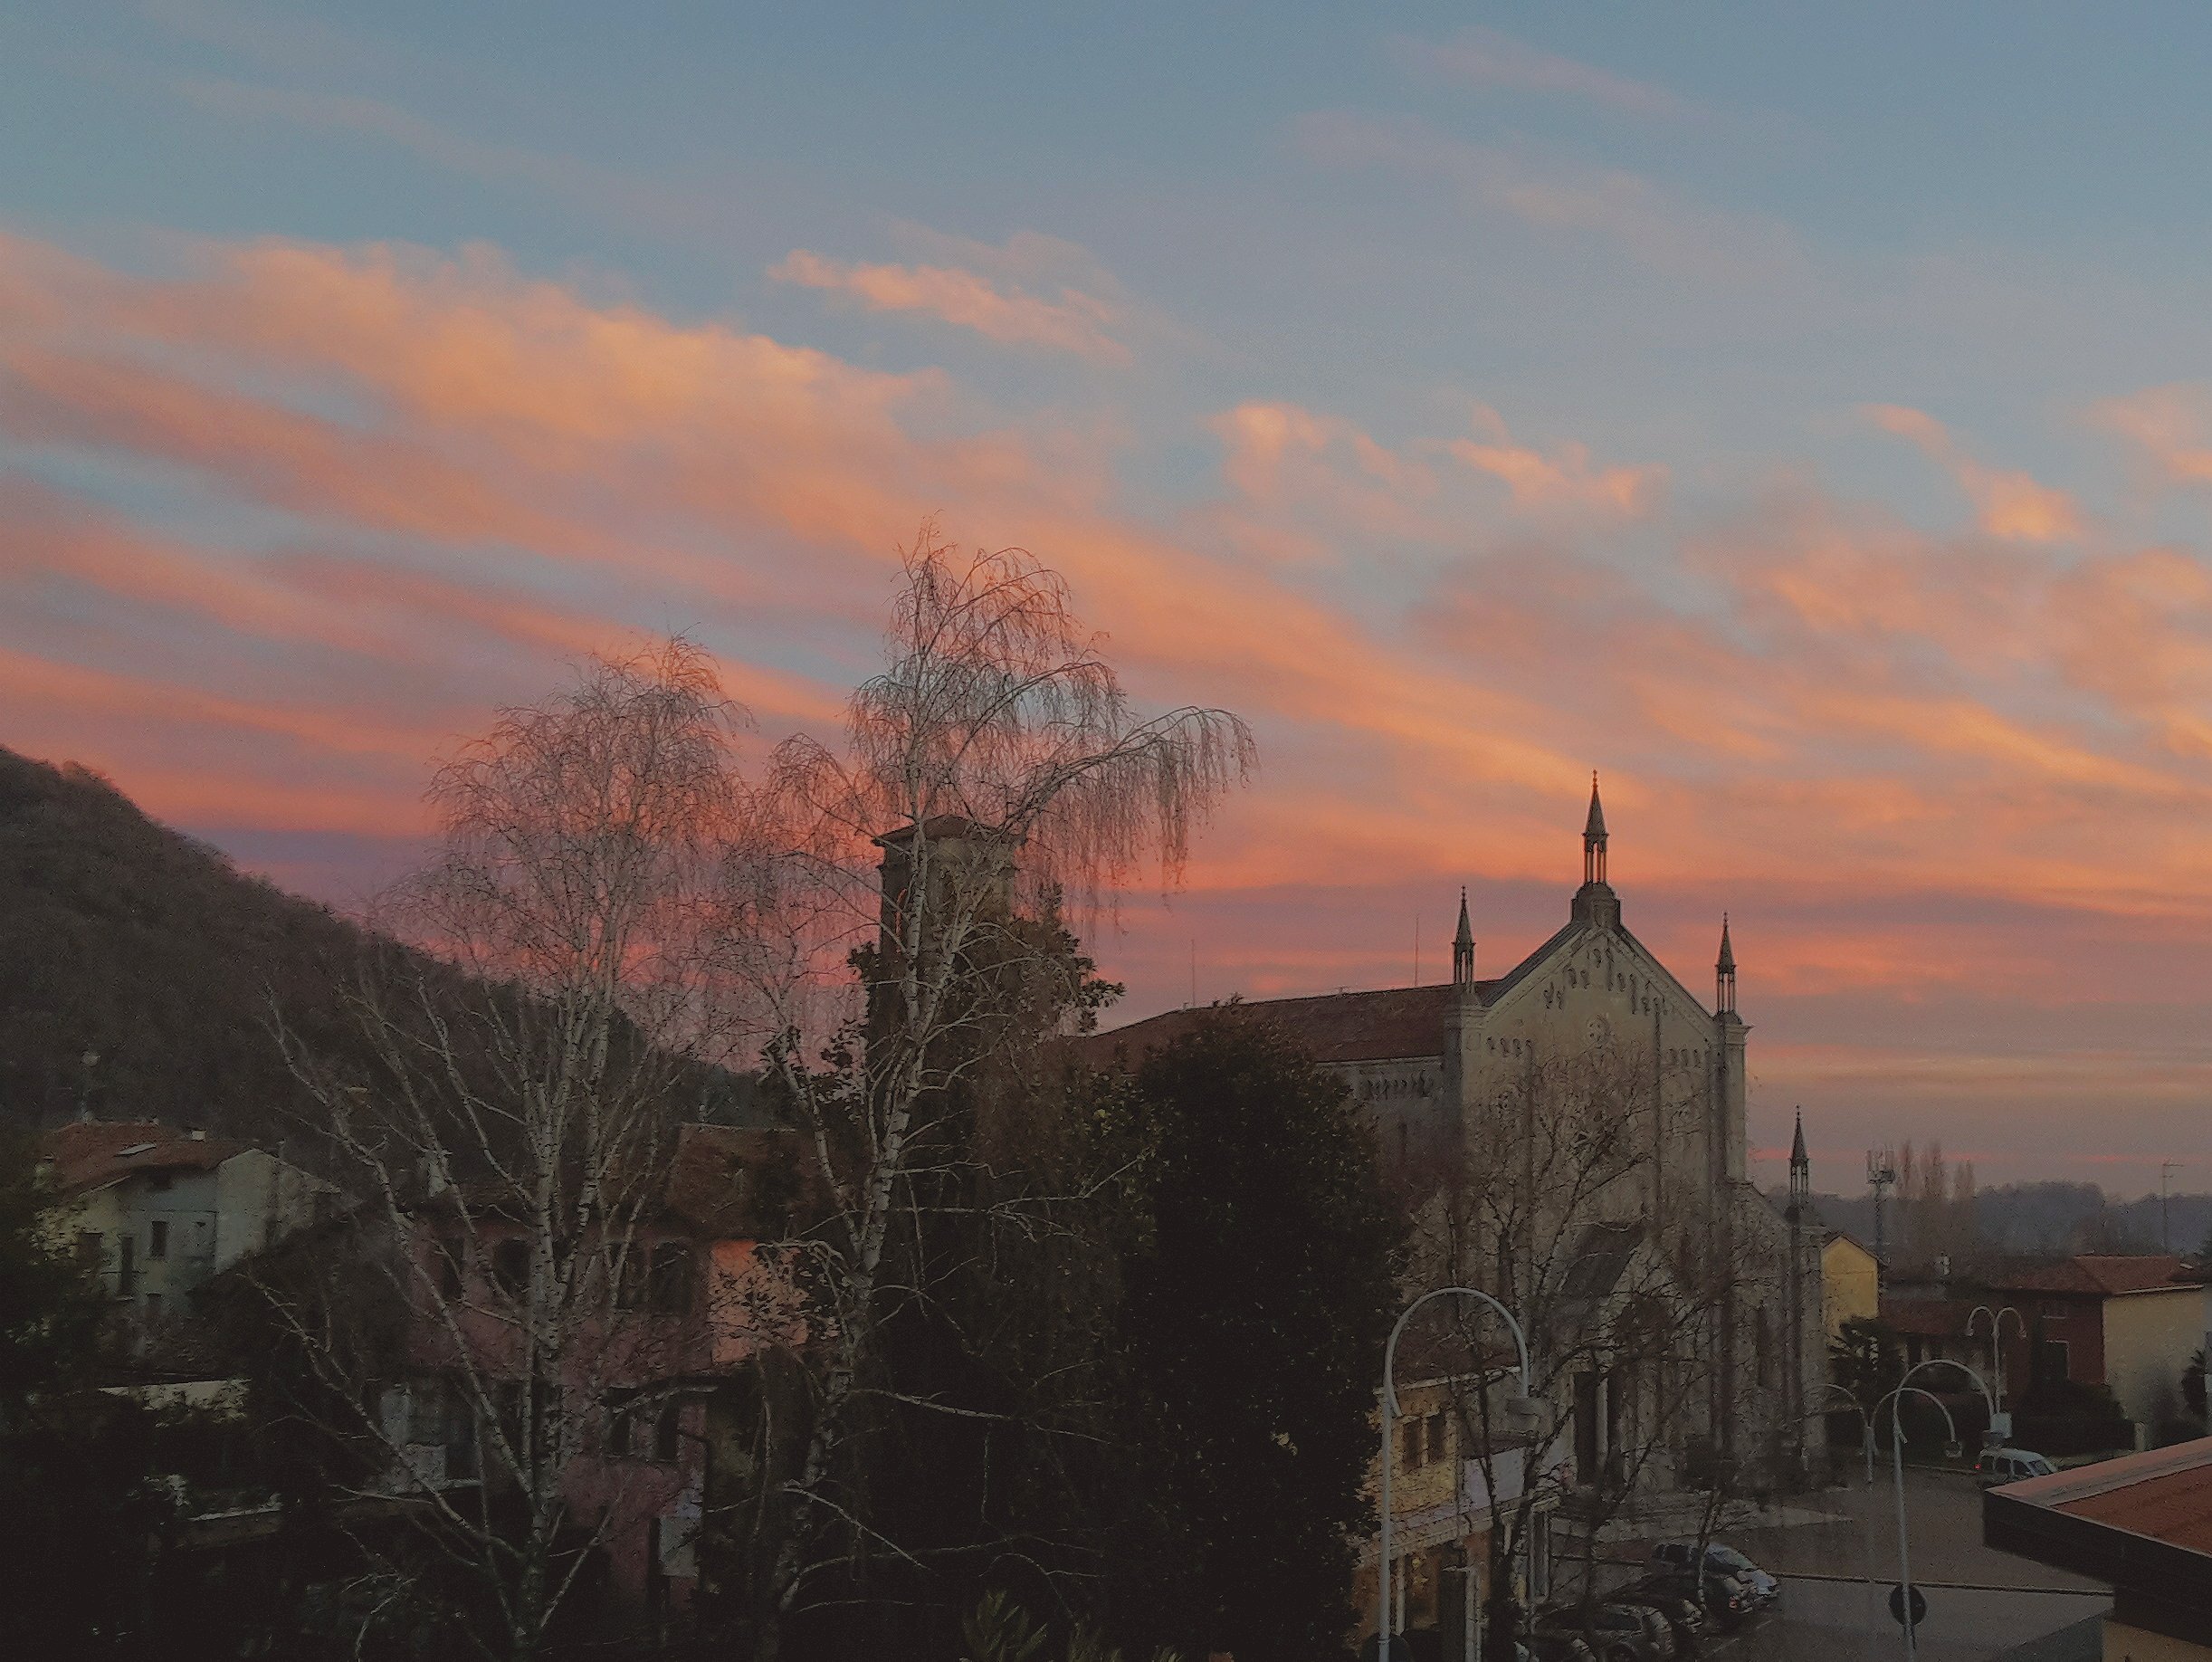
x,y
1389,1411
1896,1399
1996,1353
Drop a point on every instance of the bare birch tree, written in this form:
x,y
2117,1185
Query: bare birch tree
x,y
993,765
507,1112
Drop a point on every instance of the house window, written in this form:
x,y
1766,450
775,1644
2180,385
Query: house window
x,y
2053,1361
1410,1444
1435,1436
511,1266
88,1244
670,1288
666,1429
621,1431
158,1239
127,1267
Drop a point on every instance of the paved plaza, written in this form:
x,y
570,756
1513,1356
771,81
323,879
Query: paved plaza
x,y
1982,1604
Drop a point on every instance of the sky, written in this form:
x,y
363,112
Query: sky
x,y
1802,417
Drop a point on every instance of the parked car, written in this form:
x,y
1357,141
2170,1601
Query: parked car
x,y
1682,1613
2000,1465
1559,1647
1763,1588
1616,1632
1723,1598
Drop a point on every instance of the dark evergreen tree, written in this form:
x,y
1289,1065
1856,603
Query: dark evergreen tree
x,y
1257,1291
79,1510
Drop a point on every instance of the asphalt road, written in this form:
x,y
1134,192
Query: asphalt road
x,y
1827,1613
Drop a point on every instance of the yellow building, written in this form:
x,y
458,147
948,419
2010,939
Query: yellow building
x,y
1850,1283
1442,1514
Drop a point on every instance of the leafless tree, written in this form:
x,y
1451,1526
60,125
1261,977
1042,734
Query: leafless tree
x,y
506,1105
994,767
1573,1208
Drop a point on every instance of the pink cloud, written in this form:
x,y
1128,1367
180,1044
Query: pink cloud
x,y
2007,503
1074,321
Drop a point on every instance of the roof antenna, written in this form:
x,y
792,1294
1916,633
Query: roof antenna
x,y
1194,973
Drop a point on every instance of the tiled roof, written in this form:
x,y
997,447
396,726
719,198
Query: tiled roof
x,y
1347,1026
90,1154
2174,1506
2102,1275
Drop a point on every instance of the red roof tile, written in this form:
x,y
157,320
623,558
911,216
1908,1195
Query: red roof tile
x,y
90,1154
2102,1275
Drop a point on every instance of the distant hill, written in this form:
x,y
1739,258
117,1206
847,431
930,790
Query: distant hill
x,y
134,944
127,942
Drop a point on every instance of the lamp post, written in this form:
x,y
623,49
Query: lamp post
x,y
1897,1467
1389,1411
1896,1399
1996,1352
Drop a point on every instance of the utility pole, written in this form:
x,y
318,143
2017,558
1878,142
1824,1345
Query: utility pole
x,y
1881,1177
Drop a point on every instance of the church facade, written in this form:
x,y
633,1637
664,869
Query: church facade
x,y
1576,1127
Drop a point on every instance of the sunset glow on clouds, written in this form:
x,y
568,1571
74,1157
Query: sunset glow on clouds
x,y
286,510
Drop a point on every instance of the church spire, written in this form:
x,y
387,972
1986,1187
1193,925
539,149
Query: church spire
x,y
1463,947
1594,837
1800,1169
1724,975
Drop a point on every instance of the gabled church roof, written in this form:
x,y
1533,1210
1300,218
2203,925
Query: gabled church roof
x,y
1382,1025
1393,1022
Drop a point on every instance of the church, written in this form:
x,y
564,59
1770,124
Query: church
x,y
1583,1117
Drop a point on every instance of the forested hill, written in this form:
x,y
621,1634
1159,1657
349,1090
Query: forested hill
x,y
126,940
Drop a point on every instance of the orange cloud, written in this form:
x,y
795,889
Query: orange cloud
x,y
2008,504
444,476
1564,476
1075,323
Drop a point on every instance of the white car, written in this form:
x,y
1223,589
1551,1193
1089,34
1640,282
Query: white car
x,y
1996,1466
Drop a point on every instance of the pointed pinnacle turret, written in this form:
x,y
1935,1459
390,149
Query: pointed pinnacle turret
x,y
1594,838
1800,1174
1727,966
1724,975
1463,947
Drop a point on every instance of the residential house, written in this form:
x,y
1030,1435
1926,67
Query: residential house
x,y
1443,1509
703,1296
2127,1323
159,1211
